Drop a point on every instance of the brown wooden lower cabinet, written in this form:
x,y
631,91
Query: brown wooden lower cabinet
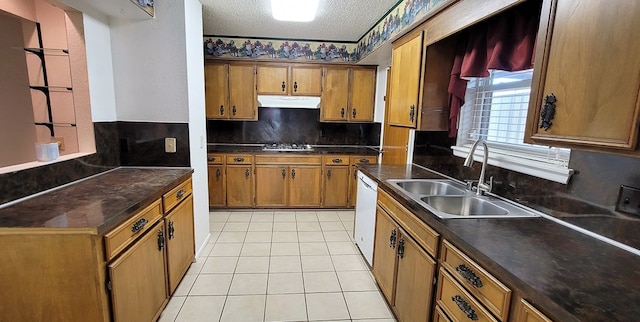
x,y
439,316
305,186
138,279
272,185
240,186
336,185
527,313
217,186
180,242
288,181
403,270
457,303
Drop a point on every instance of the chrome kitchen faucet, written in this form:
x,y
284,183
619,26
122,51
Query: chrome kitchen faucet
x,y
483,187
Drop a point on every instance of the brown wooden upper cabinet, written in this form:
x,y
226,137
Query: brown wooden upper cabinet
x,y
289,79
586,62
230,91
348,94
406,71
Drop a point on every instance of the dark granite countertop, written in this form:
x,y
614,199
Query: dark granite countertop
x,y
98,203
566,274
317,149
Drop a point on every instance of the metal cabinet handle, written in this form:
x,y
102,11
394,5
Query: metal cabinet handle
x,y
337,160
465,307
211,158
329,174
238,159
283,86
221,109
401,247
342,112
468,274
355,174
548,111
160,239
363,160
218,174
139,225
171,230
353,112
392,239
233,110
180,193
295,86
247,173
412,112
284,173
293,173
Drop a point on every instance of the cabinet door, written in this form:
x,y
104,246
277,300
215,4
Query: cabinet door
x,y
217,186
525,312
180,242
216,91
335,95
414,284
384,253
362,95
138,280
336,186
593,74
239,186
273,80
305,186
271,185
306,81
405,82
243,102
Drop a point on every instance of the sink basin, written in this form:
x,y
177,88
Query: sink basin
x,y
430,187
464,206
472,207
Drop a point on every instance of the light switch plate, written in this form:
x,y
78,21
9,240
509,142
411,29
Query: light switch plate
x,y
170,145
628,200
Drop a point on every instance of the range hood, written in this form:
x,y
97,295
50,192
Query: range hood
x,y
289,101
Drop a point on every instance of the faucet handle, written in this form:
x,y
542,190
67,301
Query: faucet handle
x,y
490,184
470,184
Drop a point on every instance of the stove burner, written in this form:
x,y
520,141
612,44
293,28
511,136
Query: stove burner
x,y
286,147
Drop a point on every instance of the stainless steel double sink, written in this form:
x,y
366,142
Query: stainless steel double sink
x,y
451,199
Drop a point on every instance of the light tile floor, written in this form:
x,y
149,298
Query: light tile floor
x,y
279,266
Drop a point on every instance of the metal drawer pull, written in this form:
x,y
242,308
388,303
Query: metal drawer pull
x,y
233,110
221,109
465,307
337,160
469,275
342,112
412,112
295,86
171,230
139,225
293,173
328,174
284,173
238,159
211,158
548,111
160,239
353,112
218,174
180,193
283,86
363,160
247,173
392,239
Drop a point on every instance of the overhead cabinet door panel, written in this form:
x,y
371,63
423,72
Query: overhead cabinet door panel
x,y
242,88
216,90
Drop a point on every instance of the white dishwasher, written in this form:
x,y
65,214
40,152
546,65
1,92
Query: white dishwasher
x,y
365,222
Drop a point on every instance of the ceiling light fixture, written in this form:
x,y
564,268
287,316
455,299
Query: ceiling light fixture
x,y
294,10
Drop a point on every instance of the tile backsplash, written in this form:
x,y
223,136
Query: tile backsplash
x,y
290,125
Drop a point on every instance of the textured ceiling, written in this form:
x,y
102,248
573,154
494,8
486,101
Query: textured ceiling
x,y
339,20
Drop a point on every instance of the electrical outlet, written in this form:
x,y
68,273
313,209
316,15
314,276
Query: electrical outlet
x,y
170,145
628,200
60,142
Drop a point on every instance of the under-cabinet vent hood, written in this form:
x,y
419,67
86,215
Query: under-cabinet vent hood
x,y
289,101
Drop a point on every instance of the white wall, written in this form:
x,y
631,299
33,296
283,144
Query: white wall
x,y
381,91
197,123
100,68
150,66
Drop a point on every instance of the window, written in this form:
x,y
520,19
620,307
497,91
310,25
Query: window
x,y
495,110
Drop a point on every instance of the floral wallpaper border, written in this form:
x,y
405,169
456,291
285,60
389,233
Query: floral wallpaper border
x,y
401,17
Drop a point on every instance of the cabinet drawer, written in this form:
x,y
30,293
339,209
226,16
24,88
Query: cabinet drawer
x,y
493,294
240,159
289,159
173,197
215,159
421,232
457,303
439,315
119,238
335,160
363,159
527,313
